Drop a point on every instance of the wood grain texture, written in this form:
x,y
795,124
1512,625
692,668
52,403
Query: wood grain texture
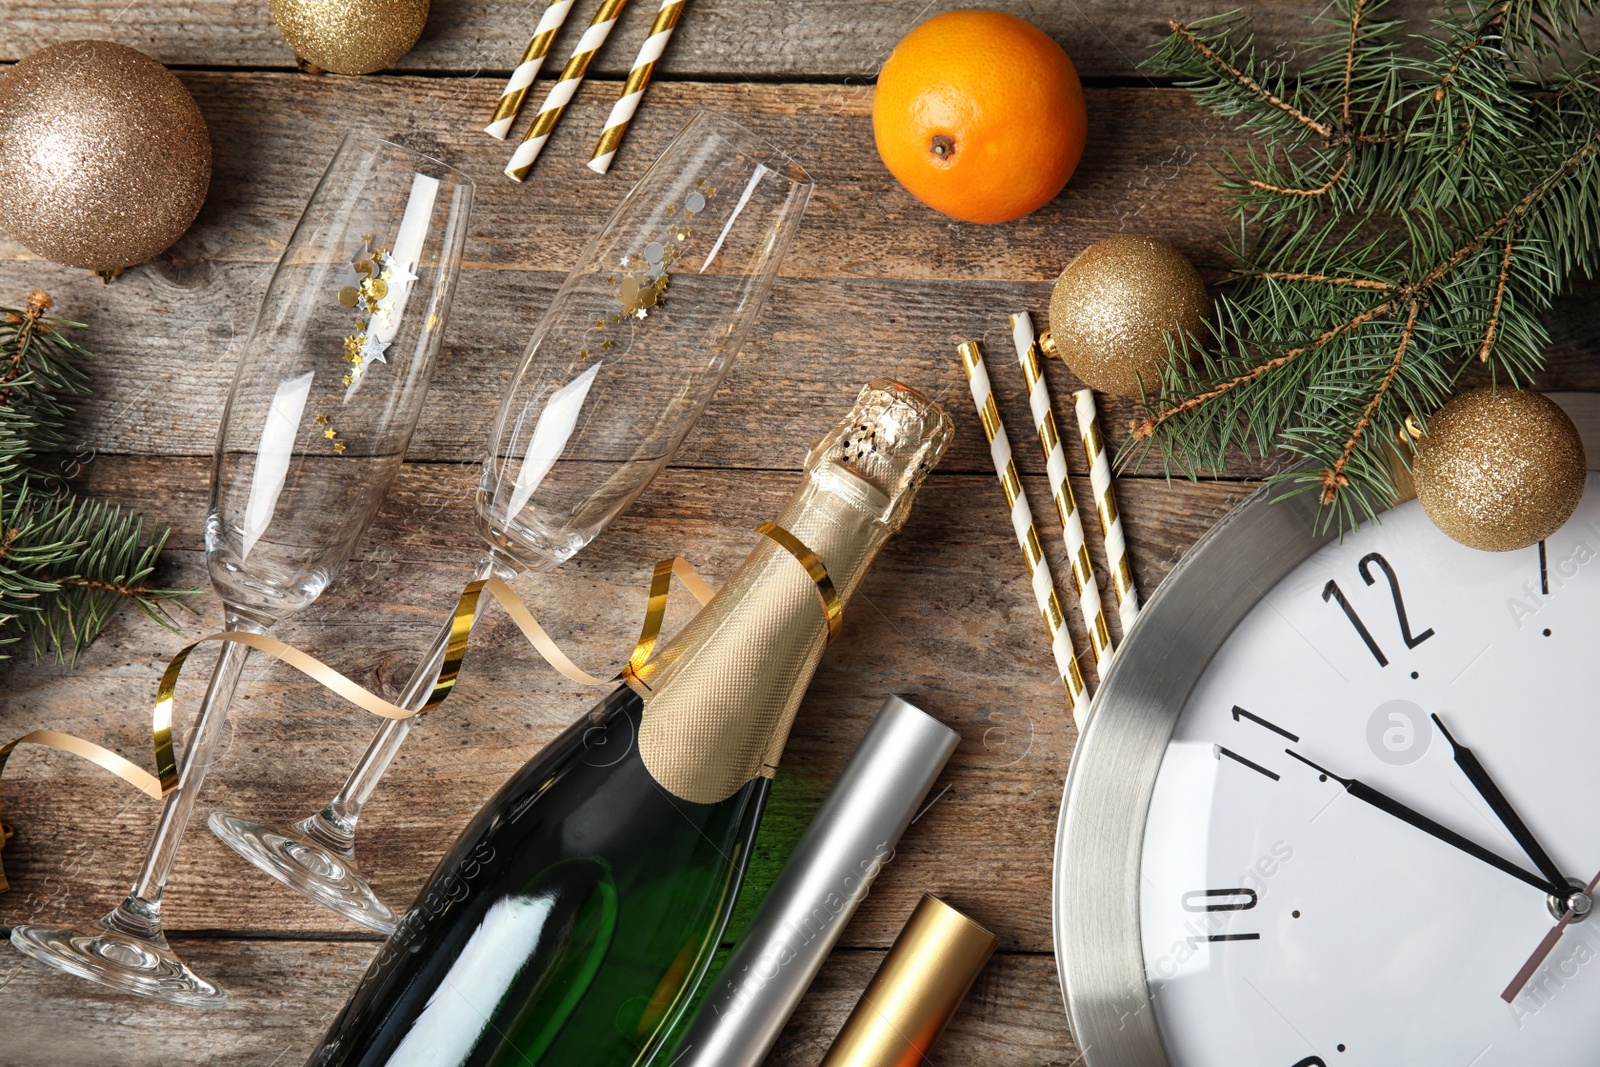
x,y
283,994
758,39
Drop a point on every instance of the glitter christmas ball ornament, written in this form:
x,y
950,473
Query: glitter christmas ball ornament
x,y
1114,306
105,159
1500,469
350,36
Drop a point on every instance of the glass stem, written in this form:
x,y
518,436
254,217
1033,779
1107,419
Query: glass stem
x,y
140,912
334,827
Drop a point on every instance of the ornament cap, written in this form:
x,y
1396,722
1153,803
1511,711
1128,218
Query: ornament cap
x,y
1047,345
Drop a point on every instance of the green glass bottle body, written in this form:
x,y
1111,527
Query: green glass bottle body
x,y
572,920
568,924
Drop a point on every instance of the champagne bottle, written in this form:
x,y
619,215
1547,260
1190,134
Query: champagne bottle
x,y
571,921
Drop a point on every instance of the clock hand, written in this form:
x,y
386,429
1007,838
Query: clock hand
x,y
1548,943
1502,807
1387,804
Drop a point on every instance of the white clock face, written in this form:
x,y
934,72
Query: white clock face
x,y
1376,914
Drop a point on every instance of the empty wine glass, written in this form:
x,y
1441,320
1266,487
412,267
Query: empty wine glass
x,y
621,365
326,395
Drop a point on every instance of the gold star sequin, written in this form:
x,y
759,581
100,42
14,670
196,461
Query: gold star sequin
x,y
322,420
338,446
330,433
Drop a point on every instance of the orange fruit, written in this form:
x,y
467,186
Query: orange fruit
x,y
979,115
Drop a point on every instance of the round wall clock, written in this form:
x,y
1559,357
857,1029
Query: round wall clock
x,y
1337,795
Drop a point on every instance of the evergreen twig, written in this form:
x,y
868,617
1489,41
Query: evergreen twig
x,y
66,565
1400,220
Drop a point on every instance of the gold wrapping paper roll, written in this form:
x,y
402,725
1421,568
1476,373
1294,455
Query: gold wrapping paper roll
x,y
911,999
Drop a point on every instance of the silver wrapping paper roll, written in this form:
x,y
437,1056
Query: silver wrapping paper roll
x,y
851,837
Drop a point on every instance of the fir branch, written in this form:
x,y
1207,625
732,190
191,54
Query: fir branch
x,y
1321,129
1490,28
1144,429
1350,64
1400,219
1499,298
1321,279
66,565
1320,190
1333,479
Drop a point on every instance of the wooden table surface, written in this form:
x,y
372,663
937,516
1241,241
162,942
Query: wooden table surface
x,y
877,284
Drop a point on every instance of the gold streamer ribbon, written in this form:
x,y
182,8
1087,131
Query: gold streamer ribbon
x,y
462,620
832,606
165,779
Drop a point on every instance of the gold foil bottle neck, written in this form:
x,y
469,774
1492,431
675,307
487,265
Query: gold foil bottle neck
x,y
917,989
881,453
720,696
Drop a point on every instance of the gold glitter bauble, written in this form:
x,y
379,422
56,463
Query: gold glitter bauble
x,y
350,36
1114,306
104,161
1500,469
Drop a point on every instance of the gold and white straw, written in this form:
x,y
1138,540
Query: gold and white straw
x,y
1044,590
561,92
511,97
633,89
1105,499
1055,460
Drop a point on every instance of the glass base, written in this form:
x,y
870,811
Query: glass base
x,y
146,966
308,868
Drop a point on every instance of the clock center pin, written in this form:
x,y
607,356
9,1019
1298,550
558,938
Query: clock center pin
x,y
1579,902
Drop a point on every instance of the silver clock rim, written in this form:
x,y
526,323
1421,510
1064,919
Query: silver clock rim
x,y
1106,799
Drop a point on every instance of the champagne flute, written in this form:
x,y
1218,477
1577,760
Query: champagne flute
x,y
327,392
619,368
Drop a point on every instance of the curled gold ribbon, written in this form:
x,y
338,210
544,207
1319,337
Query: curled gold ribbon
x,y
832,606
165,779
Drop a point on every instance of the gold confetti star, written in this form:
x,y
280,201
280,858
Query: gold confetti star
x,y
330,433
322,420
338,446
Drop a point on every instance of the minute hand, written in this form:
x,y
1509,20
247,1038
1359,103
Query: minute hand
x,y
1387,804
1479,777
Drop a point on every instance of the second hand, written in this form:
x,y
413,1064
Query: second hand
x,y
1546,946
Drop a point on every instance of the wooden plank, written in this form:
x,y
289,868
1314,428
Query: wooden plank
x,y
946,616
272,135
283,995
877,284
834,39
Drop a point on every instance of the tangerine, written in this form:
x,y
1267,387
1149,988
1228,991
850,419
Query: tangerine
x,y
980,115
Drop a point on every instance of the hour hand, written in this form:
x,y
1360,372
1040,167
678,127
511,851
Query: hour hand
x,y
1490,792
1387,804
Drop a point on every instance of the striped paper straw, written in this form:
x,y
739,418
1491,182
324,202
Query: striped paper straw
x,y
1044,590
561,92
1106,504
1055,459
633,89
511,97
